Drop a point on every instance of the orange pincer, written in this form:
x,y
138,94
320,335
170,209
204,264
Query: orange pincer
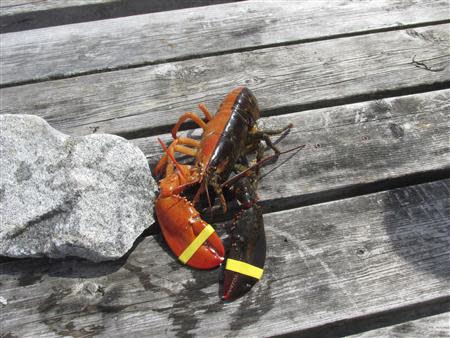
x,y
190,238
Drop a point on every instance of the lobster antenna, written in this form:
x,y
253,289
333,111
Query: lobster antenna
x,y
172,158
207,194
258,164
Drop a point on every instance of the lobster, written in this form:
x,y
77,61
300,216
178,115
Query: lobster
x,y
226,139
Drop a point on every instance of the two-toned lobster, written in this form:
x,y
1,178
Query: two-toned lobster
x,y
227,139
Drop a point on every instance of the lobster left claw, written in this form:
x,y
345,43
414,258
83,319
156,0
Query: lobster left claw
x,y
190,238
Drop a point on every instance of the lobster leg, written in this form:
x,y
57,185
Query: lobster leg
x,y
214,183
189,141
256,135
277,131
177,146
243,190
205,111
218,190
259,157
188,115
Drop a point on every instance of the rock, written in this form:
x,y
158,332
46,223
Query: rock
x,y
62,195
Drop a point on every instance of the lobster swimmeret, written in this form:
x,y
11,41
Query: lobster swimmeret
x,y
226,140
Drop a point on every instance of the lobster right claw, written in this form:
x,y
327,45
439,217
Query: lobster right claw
x,y
246,255
189,237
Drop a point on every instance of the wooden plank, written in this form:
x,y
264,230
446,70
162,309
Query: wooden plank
x,y
151,38
150,99
31,14
11,7
432,326
351,148
327,263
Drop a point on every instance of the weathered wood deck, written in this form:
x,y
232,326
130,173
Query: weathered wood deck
x,y
357,222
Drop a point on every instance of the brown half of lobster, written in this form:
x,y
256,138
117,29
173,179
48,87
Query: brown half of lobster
x,y
226,138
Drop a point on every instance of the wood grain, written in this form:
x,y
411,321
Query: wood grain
x,y
327,263
350,149
366,85
23,15
290,78
432,326
11,7
151,38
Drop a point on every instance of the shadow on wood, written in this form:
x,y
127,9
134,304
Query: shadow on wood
x,y
99,11
420,227
31,270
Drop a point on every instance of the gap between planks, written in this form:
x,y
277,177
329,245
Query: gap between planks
x,y
137,41
148,100
409,320
387,250
350,150
297,108
219,53
433,325
30,15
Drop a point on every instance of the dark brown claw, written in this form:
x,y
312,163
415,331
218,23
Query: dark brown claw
x,y
247,251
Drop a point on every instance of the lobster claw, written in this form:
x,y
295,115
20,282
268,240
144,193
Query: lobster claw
x,y
190,238
246,255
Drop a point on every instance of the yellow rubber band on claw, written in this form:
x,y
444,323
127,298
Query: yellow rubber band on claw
x,y
244,268
196,244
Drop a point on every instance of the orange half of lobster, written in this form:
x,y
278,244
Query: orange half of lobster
x,y
189,237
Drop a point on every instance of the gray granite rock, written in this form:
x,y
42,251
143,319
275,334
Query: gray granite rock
x,y
61,195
